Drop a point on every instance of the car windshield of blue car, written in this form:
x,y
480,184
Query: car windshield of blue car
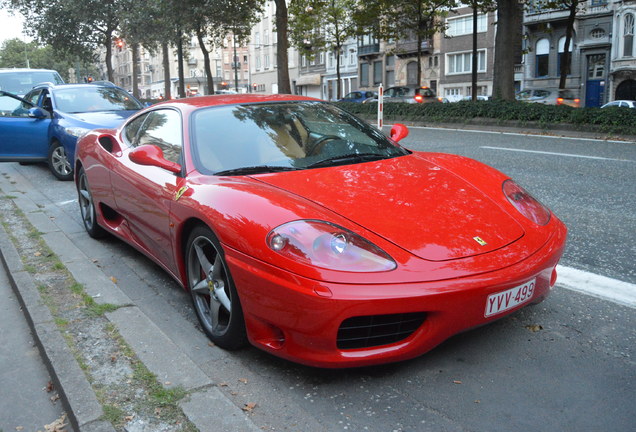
x,y
283,136
90,98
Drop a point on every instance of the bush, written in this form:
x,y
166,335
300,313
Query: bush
x,y
614,120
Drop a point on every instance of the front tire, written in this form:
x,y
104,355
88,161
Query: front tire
x,y
59,164
87,206
214,296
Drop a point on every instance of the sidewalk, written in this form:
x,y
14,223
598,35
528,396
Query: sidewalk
x,y
27,399
205,406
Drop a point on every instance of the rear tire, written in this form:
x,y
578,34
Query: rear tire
x,y
59,163
87,206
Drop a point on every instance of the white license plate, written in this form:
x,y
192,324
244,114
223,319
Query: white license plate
x,y
505,300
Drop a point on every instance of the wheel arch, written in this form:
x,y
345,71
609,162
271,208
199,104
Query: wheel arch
x,y
182,243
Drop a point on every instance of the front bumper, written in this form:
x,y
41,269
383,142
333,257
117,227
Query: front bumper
x,y
299,318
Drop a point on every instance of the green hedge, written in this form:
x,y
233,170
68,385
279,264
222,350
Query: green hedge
x,y
614,120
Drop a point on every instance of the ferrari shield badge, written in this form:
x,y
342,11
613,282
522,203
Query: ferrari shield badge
x,y
180,192
480,241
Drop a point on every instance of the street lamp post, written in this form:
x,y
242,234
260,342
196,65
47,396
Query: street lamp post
x,y
235,64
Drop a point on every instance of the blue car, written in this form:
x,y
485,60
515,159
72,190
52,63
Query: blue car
x,y
45,124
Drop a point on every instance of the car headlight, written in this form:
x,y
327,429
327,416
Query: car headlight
x,y
526,203
325,245
76,131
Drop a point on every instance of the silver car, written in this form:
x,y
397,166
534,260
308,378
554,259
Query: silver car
x,y
549,97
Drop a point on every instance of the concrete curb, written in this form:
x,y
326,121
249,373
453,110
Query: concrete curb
x,y
206,404
77,396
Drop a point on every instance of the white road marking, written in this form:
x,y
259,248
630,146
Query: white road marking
x,y
620,292
555,154
66,202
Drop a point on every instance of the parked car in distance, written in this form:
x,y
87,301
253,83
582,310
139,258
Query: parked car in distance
x,y
549,97
265,209
621,104
44,125
408,94
358,96
20,81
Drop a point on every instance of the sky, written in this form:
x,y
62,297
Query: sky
x,y
10,26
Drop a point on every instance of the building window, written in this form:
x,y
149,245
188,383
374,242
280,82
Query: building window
x,y
377,72
257,38
461,63
411,73
390,78
597,33
322,58
464,25
258,62
353,57
266,37
266,61
628,35
364,74
542,58
561,51
453,91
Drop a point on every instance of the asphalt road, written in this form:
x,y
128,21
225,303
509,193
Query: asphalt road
x,y
576,373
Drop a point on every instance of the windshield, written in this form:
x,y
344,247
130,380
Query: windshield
x,y
248,139
21,82
92,98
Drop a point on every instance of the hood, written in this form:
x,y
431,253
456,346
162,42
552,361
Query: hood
x,y
103,119
410,202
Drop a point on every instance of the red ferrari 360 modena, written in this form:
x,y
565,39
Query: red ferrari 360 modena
x,y
305,231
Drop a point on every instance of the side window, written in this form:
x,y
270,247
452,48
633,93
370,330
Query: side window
x,y
132,129
163,129
12,107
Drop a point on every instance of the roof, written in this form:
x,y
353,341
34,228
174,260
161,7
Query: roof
x,y
230,99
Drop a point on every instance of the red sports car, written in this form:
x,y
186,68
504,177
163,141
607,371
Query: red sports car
x,y
305,231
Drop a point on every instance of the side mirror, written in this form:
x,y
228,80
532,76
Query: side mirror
x,y
399,132
38,113
151,155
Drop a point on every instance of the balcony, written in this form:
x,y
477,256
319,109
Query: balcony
x,y
364,50
407,48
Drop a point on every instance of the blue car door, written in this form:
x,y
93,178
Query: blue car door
x,y
22,136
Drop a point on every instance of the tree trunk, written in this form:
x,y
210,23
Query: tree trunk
x,y
166,71
182,93
206,62
475,63
109,58
135,70
282,62
419,44
507,42
569,31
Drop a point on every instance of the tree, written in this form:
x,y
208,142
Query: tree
x,y
73,27
477,6
16,53
507,45
405,20
322,24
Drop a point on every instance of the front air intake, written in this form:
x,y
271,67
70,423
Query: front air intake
x,y
375,330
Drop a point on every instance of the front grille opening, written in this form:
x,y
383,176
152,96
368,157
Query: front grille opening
x,y
376,330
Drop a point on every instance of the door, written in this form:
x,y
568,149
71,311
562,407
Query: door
x,y
22,138
144,194
595,84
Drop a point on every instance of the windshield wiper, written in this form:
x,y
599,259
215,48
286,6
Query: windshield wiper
x,y
258,169
342,160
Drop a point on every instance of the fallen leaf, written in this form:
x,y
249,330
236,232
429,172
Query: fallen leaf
x,y
49,387
477,401
38,254
249,407
19,428
223,384
129,418
534,327
211,344
167,383
57,426
114,279
243,380
55,398
457,382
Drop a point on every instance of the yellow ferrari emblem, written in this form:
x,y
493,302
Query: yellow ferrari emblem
x,y
480,241
180,192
